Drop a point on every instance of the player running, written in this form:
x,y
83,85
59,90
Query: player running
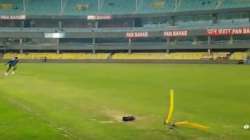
x,y
12,64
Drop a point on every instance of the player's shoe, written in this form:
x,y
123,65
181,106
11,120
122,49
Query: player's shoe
x,y
6,74
12,72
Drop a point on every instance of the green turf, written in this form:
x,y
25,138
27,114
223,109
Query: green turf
x,y
85,101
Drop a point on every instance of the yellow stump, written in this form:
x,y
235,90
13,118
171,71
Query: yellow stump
x,y
171,108
191,125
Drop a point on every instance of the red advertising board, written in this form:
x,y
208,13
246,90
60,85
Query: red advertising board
x,y
99,17
137,34
16,17
228,31
176,33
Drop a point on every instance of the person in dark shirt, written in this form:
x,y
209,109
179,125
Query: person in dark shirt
x,y
12,64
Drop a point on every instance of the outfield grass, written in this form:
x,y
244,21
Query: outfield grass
x,y
86,101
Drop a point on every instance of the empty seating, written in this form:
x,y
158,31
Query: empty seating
x,y
80,7
238,56
118,6
220,55
190,5
236,3
43,7
132,56
149,6
89,7
158,56
63,56
11,7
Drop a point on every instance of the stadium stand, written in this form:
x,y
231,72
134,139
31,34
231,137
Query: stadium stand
x,y
43,7
132,27
159,56
119,6
190,5
73,56
11,7
235,3
85,7
220,55
77,7
149,6
131,56
116,56
239,56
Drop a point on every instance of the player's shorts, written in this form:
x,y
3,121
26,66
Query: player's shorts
x,y
11,66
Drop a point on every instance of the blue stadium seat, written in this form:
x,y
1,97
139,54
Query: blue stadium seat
x,y
118,6
236,3
87,7
149,6
80,7
11,7
43,7
191,5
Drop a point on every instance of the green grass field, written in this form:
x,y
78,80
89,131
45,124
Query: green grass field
x,y
86,101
